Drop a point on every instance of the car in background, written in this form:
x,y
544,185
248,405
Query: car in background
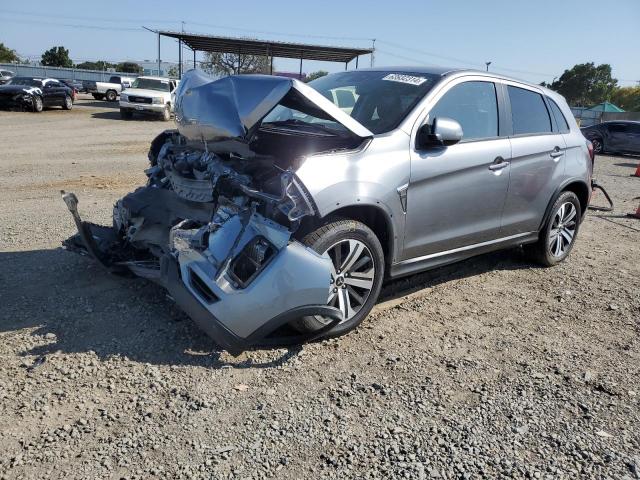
x,y
150,96
35,94
5,76
74,85
107,90
619,136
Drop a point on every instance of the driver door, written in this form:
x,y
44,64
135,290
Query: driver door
x,y
456,194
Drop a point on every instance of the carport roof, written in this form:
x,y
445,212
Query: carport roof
x,y
246,46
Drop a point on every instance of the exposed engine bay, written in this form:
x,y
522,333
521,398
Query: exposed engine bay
x,y
215,222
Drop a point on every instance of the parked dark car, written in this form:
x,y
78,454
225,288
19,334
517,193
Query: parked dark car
x,y
35,94
75,85
622,136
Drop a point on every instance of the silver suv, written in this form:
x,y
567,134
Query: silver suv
x,y
276,202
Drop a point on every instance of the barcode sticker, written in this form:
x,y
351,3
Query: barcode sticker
x,y
410,79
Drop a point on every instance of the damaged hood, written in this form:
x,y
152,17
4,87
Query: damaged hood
x,y
231,109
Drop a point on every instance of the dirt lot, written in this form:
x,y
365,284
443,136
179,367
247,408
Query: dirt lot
x,y
489,368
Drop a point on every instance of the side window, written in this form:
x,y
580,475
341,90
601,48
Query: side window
x,y
563,126
617,128
528,112
474,106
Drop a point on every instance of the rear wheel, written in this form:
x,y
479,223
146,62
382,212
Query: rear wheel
x,y
111,95
68,103
356,277
559,233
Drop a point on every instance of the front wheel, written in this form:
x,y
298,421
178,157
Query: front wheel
x,y
559,232
166,113
357,270
68,103
37,104
598,145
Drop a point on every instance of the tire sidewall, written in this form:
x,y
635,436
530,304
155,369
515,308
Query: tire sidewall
x,y
354,230
564,197
38,104
111,96
68,103
600,141
166,114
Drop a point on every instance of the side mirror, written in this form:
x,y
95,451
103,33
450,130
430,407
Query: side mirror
x,y
444,132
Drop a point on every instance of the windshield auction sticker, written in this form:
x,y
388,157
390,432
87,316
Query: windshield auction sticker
x,y
410,79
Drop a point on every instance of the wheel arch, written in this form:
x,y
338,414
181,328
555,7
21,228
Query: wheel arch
x,y
579,187
373,216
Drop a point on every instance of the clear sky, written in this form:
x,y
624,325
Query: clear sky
x,y
534,40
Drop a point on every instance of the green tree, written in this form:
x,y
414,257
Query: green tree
x,y
56,57
231,63
314,75
585,84
99,65
129,67
173,72
627,98
7,55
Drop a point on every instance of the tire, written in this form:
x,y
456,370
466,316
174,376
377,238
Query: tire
x,y
97,96
598,145
342,235
111,95
38,106
125,114
68,103
547,251
166,113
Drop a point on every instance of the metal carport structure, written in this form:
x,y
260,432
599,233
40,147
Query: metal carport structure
x,y
270,49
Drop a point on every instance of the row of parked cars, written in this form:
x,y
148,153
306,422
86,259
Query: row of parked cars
x,y
144,95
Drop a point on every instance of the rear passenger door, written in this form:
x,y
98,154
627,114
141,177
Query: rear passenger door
x,y
537,159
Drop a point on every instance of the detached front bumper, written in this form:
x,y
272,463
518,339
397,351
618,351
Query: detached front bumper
x,y
237,309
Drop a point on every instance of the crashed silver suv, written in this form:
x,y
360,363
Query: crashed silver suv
x,y
278,203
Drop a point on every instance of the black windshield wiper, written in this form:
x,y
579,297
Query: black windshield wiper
x,y
293,122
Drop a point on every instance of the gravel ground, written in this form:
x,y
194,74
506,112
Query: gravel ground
x,y
489,368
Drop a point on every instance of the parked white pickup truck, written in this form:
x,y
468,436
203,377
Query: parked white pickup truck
x,y
149,95
107,90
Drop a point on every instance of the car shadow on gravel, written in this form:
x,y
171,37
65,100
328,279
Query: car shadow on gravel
x,y
115,115
61,302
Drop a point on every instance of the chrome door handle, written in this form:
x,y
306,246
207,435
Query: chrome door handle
x,y
498,164
556,152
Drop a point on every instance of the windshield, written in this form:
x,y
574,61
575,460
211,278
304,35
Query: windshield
x,y
29,82
151,84
377,100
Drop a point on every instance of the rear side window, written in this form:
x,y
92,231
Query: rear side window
x,y
474,106
563,126
528,112
618,127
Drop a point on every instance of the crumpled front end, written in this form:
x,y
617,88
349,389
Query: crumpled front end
x,y
217,232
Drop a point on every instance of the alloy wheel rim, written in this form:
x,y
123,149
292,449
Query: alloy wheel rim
x,y
563,229
597,145
352,276
67,101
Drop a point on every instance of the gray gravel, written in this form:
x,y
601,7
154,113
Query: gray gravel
x,y
489,368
